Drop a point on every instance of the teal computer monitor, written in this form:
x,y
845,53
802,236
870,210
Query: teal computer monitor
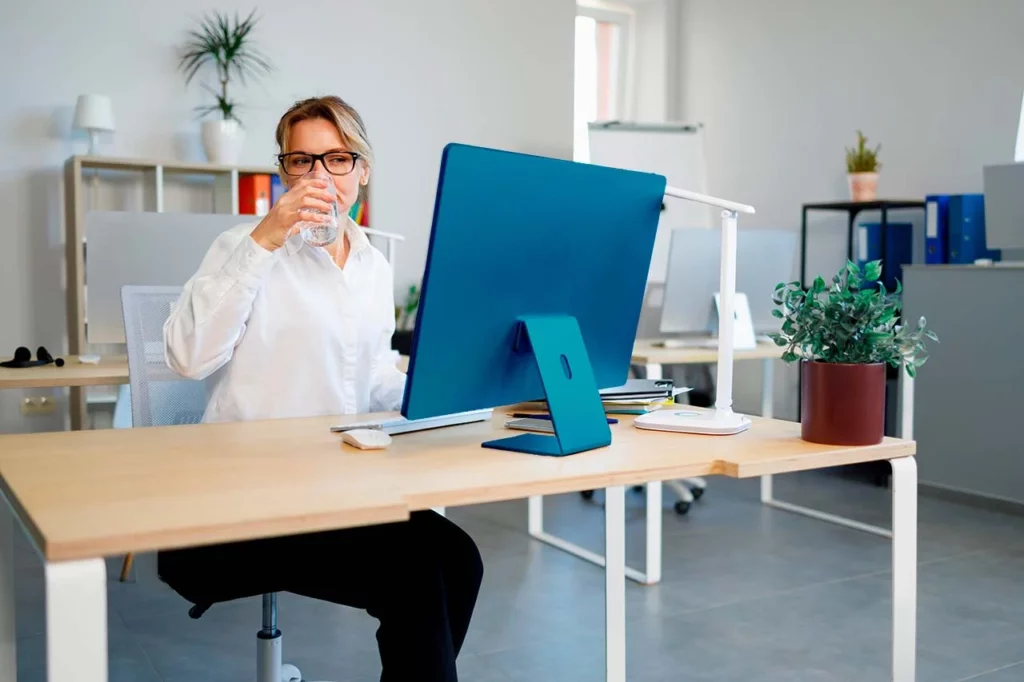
x,y
535,276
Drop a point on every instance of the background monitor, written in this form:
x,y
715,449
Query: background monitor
x,y
1004,207
141,248
763,259
518,235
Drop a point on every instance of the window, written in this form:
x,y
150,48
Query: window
x,y
602,80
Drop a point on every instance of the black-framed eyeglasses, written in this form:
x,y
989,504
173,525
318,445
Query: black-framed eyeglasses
x,y
335,163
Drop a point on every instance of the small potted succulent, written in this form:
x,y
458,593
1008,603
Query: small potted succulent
x,y
862,168
844,334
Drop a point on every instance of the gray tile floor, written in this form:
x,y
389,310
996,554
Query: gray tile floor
x,y
749,593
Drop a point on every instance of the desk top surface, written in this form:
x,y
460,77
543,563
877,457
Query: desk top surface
x,y
110,371
100,493
645,352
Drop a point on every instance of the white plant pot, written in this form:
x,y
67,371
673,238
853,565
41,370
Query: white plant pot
x,y
222,141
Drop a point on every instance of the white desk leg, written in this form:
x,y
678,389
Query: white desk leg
x,y
767,411
906,406
904,568
8,636
535,515
615,583
653,522
76,621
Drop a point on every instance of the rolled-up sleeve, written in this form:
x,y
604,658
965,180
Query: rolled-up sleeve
x,y
209,319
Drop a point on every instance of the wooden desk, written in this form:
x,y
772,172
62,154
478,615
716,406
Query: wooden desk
x,y
111,371
85,495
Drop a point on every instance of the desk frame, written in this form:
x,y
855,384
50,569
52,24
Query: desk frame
x,y
652,571
76,598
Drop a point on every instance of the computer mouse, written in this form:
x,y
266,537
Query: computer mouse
x,y
366,439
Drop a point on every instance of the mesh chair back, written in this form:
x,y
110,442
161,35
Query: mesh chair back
x,y
160,397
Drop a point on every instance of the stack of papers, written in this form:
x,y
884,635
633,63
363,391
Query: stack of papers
x,y
636,396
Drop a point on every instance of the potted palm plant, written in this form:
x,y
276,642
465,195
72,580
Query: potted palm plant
x,y
844,335
862,168
226,43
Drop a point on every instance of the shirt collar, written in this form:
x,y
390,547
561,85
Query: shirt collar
x,y
357,239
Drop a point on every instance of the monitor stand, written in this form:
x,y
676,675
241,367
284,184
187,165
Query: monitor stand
x,y
570,389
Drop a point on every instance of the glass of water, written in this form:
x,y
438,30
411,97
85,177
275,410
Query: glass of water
x,y
325,233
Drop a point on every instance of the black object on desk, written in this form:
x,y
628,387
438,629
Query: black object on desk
x,y
852,208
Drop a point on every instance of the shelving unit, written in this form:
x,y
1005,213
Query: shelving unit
x,y
163,186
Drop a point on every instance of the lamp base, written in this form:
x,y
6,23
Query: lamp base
x,y
709,423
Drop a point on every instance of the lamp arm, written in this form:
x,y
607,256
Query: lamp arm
x,y
726,290
709,200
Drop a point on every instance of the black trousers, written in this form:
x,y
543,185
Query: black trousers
x,y
419,578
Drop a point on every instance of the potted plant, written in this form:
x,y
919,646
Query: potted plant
x,y
843,335
405,318
862,168
227,44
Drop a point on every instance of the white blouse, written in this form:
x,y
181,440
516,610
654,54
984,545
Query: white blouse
x,y
287,333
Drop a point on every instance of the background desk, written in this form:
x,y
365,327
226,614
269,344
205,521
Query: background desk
x,y
85,495
653,357
111,371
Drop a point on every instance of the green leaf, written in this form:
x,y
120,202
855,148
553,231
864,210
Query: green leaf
x,y
789,356
873,271
777,314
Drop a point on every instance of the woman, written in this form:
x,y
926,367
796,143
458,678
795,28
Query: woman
x,y
287,329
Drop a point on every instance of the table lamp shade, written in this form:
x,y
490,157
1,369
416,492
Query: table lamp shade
x,y
94,112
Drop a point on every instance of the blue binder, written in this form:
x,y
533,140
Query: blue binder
x,y
936,241
899,249
967,230
276,189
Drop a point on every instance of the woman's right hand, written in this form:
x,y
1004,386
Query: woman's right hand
x,y
306,201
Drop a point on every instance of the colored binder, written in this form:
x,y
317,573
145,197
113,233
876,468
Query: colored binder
x,y
253,194
967,230
899,249
936,248
276,188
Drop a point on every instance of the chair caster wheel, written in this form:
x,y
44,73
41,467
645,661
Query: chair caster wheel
x,y
697,493
289,673
587,494
682,507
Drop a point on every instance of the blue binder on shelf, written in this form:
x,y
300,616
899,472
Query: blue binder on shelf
x,y
967,230
936,239
276,189
899,249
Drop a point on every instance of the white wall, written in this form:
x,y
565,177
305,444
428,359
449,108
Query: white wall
x,y
782,86
421,74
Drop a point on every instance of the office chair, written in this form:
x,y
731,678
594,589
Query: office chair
x,y
160,397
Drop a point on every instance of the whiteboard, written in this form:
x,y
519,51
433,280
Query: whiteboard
x,y
675,150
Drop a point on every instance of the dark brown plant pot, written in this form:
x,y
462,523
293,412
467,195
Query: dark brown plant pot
x,y
842,404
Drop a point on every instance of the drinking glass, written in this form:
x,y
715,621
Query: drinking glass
x,y
321,234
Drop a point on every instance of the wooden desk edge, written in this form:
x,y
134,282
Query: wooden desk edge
x,y
117,545
890,449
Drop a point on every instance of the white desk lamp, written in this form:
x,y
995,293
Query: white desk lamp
x,y
95,114
722,420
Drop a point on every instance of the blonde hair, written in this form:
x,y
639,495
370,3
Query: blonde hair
x,y
335,110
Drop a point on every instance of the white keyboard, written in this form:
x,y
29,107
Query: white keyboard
x,y
398,425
